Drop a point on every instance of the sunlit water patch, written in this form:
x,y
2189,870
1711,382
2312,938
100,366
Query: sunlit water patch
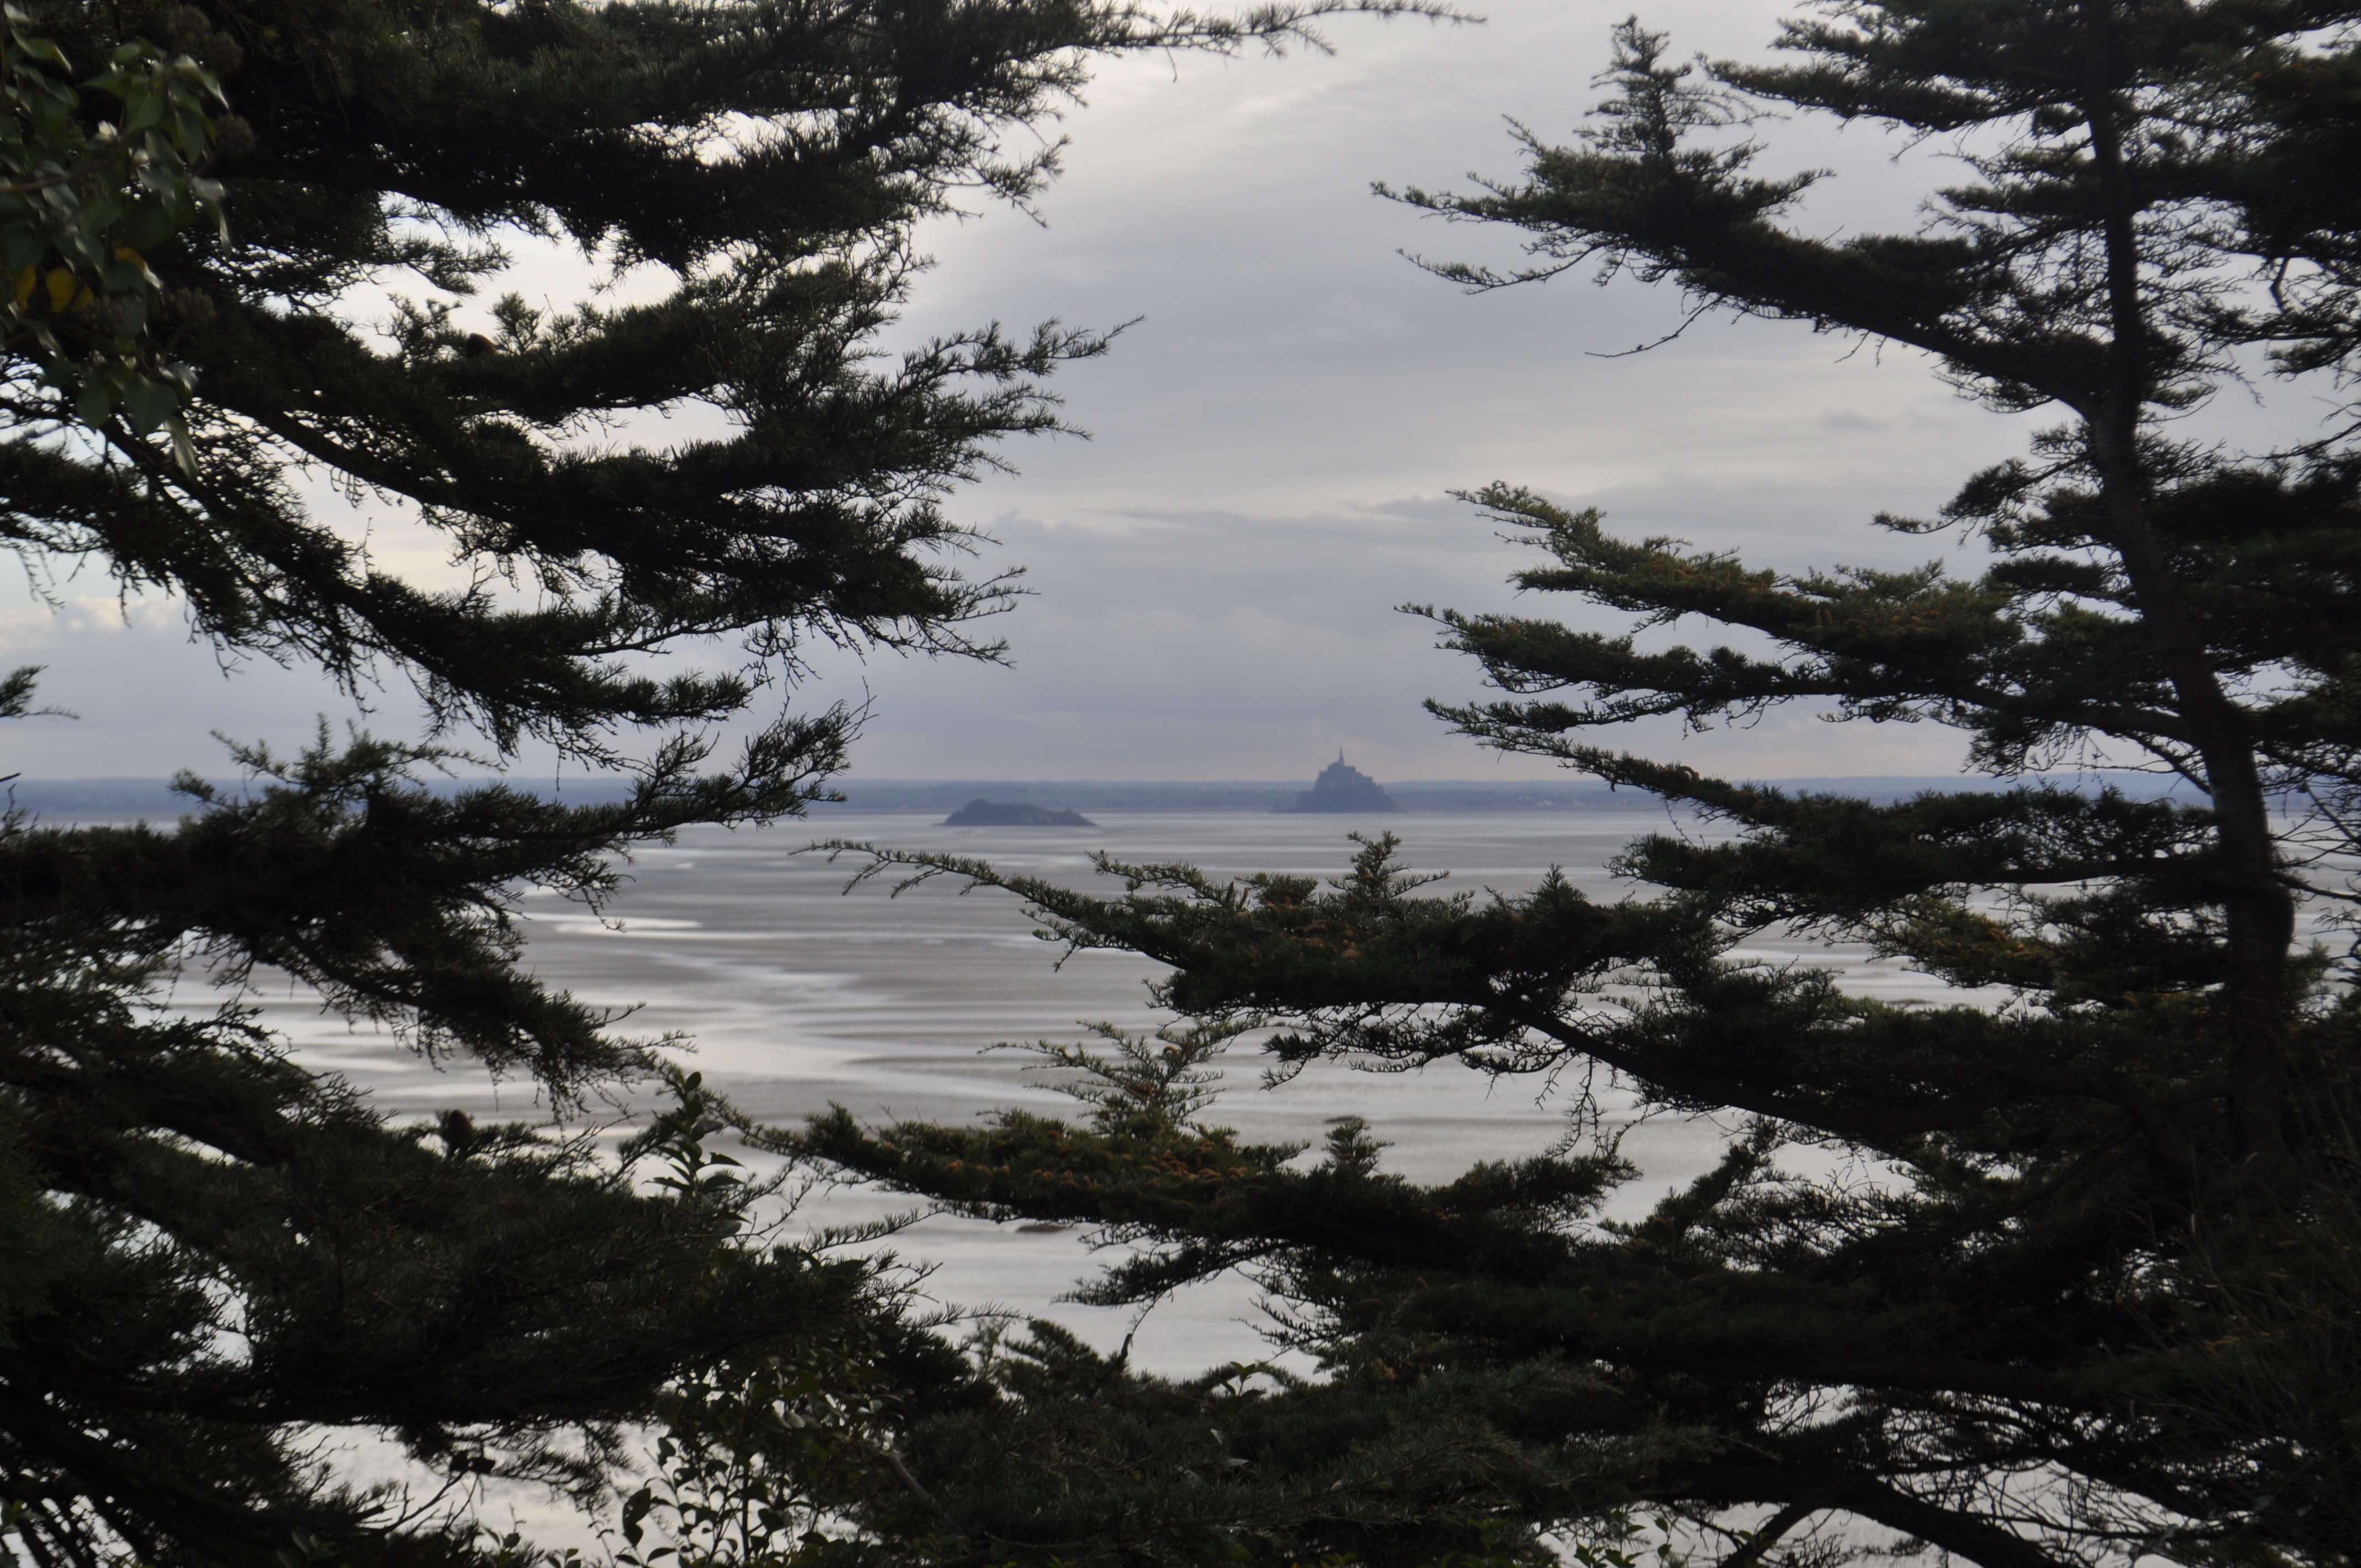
x,y
797,995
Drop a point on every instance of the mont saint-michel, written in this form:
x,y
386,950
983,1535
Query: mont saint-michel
x,y
1342,787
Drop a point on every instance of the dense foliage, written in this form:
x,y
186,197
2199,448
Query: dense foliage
x,y
79,200
211,1256
2060,1269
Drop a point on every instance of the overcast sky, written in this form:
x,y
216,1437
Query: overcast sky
x,y
1273,444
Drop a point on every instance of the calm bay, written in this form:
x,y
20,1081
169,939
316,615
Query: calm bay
x,y
793,994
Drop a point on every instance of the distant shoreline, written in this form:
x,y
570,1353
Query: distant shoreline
x,y
136,796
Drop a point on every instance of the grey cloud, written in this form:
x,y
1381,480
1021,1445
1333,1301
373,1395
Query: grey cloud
x,y
1273,443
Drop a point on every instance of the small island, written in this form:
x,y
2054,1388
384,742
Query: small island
x,y
981,813
1342,787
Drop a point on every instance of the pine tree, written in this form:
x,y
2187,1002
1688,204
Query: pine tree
x,y
79,200
2062,1269
212,1254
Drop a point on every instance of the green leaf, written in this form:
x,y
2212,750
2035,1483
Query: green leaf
x,y
143,107
94,402
149,404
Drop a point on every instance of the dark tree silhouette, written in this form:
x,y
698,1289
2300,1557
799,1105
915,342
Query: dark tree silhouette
x,y
2087,1281
211,1254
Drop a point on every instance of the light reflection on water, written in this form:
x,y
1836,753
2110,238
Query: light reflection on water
x,y
798,997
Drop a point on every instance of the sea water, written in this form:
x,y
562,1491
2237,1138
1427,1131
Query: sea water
x,y
792,993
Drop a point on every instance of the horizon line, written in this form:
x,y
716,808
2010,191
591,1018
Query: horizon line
x,y
165,780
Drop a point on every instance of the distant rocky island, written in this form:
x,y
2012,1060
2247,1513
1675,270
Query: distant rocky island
x,y
981,813
1342,787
